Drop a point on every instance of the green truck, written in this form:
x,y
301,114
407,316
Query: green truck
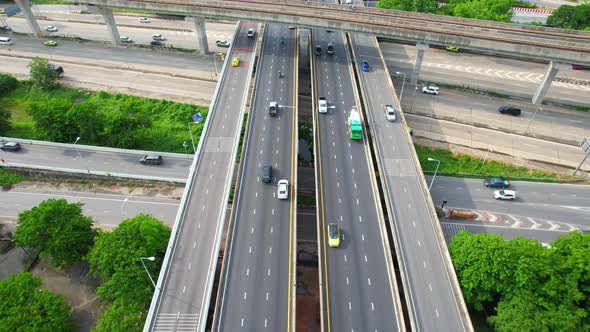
x,y
355,128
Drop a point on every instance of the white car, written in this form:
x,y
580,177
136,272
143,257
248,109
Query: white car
x,y
505,194
157,36
283,189
390,113
251,33
125,39
144,20
51,28
433,90
322,105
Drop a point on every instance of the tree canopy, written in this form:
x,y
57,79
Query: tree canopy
x,y
495,10
41,74
24,307
528,287
571,17
56,228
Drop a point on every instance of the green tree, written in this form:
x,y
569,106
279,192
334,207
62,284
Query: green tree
x,y
5,117
571,17
41,74
26,307
7,84
56,228
51,122
493,10
122,315
423,6
115,257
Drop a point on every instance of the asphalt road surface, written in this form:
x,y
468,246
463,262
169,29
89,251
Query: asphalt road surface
x,y
359,292
188,280
488,73
78,158
564,203
257,293
433,301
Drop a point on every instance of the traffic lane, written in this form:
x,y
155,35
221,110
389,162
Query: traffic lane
x,y
82,159
256,290
424,272
555,202
185,292
141,34
106,210
347,205
110,57
544,236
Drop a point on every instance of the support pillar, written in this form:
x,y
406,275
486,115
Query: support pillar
x,y
419,56
25,7
202,45
109,19
552,70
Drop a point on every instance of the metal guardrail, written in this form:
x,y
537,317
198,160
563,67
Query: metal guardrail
x,y
182,206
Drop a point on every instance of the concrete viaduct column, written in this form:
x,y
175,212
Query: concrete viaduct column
x,y
202,45
552,70
25,7
419,56
109,19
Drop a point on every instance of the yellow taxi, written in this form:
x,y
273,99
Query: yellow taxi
x,y
235,61
452,49
333,235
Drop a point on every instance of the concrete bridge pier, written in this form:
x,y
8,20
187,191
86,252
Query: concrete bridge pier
x,y
25,7
202,45
419,56
552,69
109,19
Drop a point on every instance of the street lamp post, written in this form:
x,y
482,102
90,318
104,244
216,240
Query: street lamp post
x,y
77,139
438,164
403,84
185,148
146,270
192,138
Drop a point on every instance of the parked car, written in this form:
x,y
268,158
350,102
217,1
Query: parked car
x,y
50,43
509,110
432,90
333,235
151,159
322,105
283,189
51,28
390,113
222,43
365,65
10,146
157,43
125,39
496,183
144,20
158,36
251,33
452,49
235,61
505,194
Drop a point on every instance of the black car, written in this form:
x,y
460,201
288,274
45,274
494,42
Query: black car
x,y
10,146
151,160
157,43
318,50
266,172
496,183
330,48
509,110
5,28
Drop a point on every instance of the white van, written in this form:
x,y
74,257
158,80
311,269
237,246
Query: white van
x,y
5,41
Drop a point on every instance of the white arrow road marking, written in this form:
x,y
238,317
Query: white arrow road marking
x,y
517,222
535,224
493,217
553,227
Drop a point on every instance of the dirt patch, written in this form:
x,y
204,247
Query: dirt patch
x,y
77,288
308,293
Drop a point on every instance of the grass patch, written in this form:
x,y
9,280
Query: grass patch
x,y
242,134
8,178
468,89
465,166
132,11
169,48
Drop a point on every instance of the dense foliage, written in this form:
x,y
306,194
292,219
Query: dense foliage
x,y
571,17
8,178
5,117
41,74
122,121
125,285
7,84
26,307
495,10
523,285
56,228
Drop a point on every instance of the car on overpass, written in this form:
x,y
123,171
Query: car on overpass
x,y
505,195
283,189
365,65
322,105
431,90
235,61
452,49
151,159
125,39
222,43
51,28
496,183
333,236
50,43
144,20
158,36
251,33
390,113
10,146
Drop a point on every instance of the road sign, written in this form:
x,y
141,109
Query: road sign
x,y
585,145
